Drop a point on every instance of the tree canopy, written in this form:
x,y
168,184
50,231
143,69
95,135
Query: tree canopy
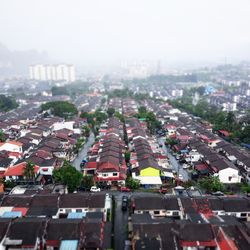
x,y
7,103
29,170
60,108
69,176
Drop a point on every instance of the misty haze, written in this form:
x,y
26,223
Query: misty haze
x,y
125,125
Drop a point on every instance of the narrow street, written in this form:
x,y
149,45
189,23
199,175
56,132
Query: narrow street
x,y
174,163
83,153
121,221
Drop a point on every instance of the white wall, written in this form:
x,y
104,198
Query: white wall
x,y
229,172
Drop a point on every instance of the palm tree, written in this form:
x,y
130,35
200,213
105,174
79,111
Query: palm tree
x,y
29,170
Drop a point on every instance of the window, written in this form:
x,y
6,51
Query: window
x,y
104,175
175,213
156,212
67,210
115,174
243,214
78,210
230,178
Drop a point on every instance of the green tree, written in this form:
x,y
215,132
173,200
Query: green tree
x,y
245,188
78,145
29,171
110,112
230,121
87,181
127,156
211,184
60,108
132,183
59,90
7,103
86,130
100,116
119,116
69,176
2,137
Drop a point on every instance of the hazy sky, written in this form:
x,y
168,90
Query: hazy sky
x,y
101,31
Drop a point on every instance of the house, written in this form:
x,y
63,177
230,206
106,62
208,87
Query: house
x,y
226,171
110,172
12,146
25,233
83,203
4,225
148,172
16,172
43,205
71,234
18,203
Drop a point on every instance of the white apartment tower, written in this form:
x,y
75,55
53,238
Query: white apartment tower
x,y
59,72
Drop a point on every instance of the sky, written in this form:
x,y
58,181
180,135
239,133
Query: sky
x,y
109,31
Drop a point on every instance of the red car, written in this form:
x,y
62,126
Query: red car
x,y
163,190
125,189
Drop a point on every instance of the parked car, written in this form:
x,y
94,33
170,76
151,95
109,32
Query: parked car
x,y
163,190
95,189
185,166
180,177
125,189
124,203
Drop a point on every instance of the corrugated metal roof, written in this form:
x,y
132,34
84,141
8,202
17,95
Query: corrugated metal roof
x,y
76,215
12,214
69,245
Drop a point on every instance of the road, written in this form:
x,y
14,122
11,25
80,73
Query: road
x,y
174,163
121,221
83,153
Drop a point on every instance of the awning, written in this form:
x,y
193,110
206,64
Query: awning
x,y
168,174
149,180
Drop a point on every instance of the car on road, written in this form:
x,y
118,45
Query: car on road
x,y
125,189
124,203
95,189
163,190
185,166
180,177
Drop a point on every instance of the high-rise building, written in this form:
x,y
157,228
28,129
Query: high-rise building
x,y
59,72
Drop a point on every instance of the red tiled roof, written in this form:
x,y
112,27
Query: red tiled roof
x,y
90,165
21,209
18,169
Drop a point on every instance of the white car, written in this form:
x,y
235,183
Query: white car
x,y
180,177
95,189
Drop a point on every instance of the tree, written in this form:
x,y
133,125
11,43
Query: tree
x,y
132,183
230,121
2,137
29,171
110,112
69,176
78,145
87,181
7,103
245,188
211,184
100,116
119,116
127,156
60,108
59,90
86,130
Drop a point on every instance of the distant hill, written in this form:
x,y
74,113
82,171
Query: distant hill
x,y
16,63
